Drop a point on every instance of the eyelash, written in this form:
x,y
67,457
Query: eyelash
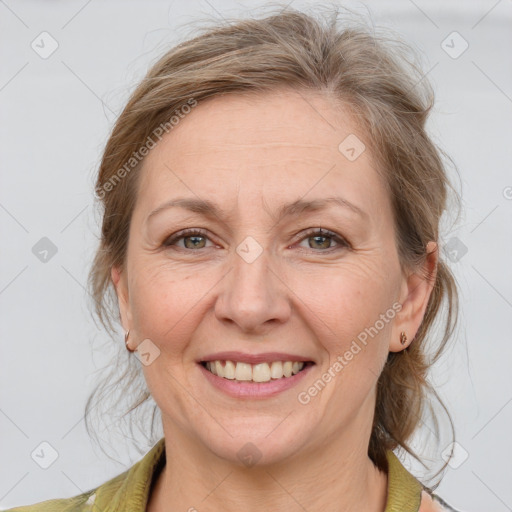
x,y
342,243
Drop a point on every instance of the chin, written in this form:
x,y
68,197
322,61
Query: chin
x,y
259,441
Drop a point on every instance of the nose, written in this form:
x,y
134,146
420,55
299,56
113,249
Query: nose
x,y
253,295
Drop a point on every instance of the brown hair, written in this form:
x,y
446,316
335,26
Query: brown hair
x,y
388,95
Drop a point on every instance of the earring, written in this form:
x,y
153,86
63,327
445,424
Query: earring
x,y
403,338
126,334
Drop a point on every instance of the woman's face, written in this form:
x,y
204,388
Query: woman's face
x,y
257,177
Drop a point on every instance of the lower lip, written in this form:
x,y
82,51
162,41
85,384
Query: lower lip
x,y
249,389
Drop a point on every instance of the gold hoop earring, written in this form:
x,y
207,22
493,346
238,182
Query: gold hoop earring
x,y
403,338
126,334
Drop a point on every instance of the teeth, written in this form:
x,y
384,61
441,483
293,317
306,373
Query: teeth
x,y
276,370
243,371
261,372
287,368
228,372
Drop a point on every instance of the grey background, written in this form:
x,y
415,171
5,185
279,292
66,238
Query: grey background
x,y
56,113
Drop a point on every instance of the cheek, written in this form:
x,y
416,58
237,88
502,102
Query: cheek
x,y
349,299
351,309
164,304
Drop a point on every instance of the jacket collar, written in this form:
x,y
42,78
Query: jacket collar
x,y
129,492
404,491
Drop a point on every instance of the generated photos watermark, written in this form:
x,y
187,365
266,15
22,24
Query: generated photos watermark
x,y
305,397
149,144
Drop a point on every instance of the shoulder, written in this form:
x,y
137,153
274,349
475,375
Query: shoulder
x,y
82,503
130,488
85,502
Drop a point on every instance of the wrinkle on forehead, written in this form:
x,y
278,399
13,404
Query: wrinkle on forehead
x,y
269,144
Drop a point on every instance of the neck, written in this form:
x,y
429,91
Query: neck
x,y
338,476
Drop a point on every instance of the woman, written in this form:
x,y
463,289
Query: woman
x,y
270,228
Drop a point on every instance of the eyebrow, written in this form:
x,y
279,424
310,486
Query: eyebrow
x,y
295,208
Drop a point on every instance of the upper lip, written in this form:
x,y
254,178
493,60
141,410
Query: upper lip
x,y
265,357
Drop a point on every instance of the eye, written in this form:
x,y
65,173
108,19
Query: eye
x,y
322,239
193,238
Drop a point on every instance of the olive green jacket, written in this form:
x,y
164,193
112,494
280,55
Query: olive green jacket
x,y
129,492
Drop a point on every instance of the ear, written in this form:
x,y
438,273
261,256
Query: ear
x,y
119,280
414,296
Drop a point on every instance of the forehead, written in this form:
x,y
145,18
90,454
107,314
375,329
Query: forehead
x,y
283,143
299,119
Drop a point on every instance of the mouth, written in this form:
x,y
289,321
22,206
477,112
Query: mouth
x,y
261,372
